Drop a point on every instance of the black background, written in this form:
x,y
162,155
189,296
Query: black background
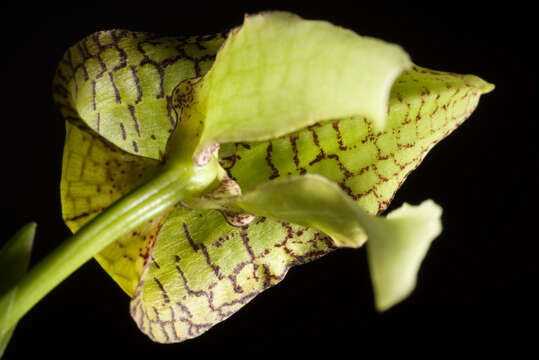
x,y
476,286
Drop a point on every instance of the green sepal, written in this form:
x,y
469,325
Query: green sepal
x,y
202,270
118,84
279,73
370,165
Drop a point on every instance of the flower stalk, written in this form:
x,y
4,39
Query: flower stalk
x,y
177,181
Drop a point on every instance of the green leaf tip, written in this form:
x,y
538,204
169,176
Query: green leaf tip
x,y
397,245
279,73
14,261
15,254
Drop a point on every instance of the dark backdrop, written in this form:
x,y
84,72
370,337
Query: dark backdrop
x,y
476,285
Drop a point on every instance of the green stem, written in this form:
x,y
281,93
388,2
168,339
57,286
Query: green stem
x,y
178,181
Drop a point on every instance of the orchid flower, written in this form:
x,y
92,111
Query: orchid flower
x,y
198,170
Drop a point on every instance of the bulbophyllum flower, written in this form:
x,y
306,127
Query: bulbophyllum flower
x,y
199,170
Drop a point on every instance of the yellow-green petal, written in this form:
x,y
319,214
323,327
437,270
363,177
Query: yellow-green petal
x,y
278,73
396,244
309,200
